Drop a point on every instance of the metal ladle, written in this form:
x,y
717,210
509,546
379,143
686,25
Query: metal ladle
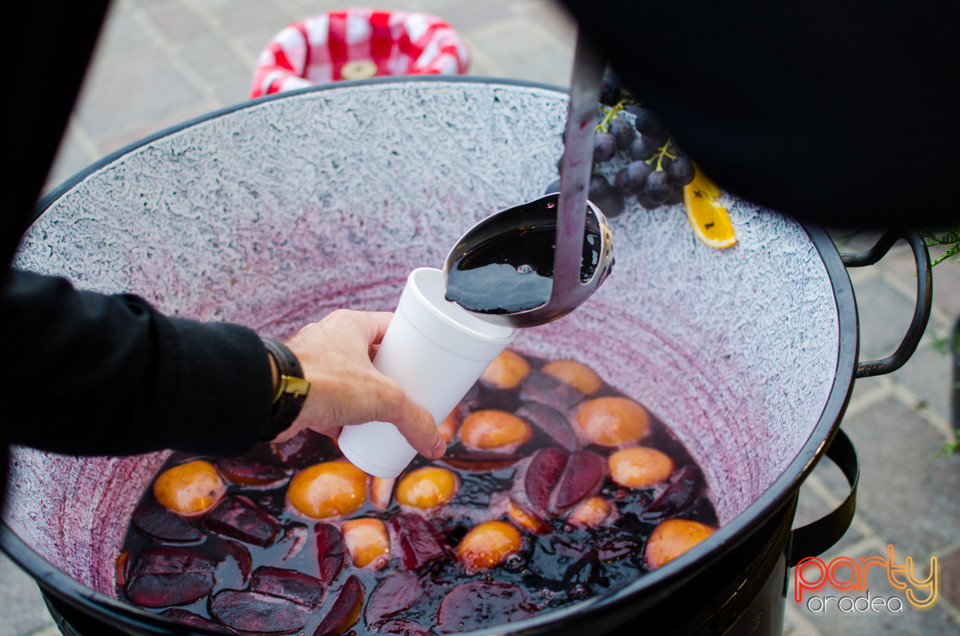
x,y
570,215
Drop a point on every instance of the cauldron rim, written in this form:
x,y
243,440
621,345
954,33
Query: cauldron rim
x,y
671,575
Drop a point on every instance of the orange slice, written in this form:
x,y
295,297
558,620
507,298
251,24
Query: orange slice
x,y
708,217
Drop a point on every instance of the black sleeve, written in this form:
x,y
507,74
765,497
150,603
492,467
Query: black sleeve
x,y
87,373
840,112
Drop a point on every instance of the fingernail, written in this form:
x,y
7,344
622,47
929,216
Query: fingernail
x,y
438,449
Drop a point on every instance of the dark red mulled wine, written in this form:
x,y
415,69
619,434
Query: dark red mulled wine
x,y
539,464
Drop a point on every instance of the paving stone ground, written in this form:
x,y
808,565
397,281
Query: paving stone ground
x,y
161,62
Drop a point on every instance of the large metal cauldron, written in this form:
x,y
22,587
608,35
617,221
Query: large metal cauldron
x,y
278,211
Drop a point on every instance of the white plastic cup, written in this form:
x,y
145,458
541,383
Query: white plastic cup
x,y
435,350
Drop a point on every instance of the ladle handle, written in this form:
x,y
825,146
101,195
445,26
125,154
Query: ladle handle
x,y
576,166
921,313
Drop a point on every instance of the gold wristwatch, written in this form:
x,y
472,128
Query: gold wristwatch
x,y
290,390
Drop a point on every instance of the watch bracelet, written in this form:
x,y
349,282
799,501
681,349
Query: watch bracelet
x,y
286,406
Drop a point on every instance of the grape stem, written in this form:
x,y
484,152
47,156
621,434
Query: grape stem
x,y
665,151
610,114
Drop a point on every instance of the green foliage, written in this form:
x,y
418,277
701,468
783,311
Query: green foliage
x,y
949,448
948,238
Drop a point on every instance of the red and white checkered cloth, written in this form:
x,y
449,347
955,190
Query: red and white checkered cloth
x,y
399,43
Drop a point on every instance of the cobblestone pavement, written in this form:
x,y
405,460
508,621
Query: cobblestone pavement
x,y
161,62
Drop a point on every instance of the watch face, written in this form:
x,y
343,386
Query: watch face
x,y
295,388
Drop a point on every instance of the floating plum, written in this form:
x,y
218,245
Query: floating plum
x,y
394,594
239,518
476,604
331,551
542,475
522,495
581,477
556,480
256,612
550,421
163,526
420,543
304,449
672,538
427,487
579,376
684,489
481,461
288,584
546,389
194,620
328,489
252,473
241,556
345,611
493,429
488,545
163,577
367,542
639,466
613,421
189,489
506,371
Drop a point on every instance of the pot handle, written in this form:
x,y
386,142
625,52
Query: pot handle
x,y
819,536
921,313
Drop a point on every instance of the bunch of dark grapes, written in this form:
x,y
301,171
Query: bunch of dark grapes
x,y
657,170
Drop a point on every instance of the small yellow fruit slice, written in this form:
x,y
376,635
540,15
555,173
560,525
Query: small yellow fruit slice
x,y
506,371
427,487
488,545
639,466
672,538
367,542
492,429
189,489
707,215
328,489
591,512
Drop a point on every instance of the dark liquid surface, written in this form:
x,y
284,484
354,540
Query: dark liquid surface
x,y
514,272
555,568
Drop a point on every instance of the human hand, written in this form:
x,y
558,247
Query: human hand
x,y
336,355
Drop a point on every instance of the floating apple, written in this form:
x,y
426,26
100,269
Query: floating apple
x,y
506,371
579,376
613,421
367,542
488,545
427,487
189,489
672,538
639,466
328,489
493,429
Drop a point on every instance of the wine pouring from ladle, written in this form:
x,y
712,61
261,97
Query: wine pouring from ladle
x,y
574,217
